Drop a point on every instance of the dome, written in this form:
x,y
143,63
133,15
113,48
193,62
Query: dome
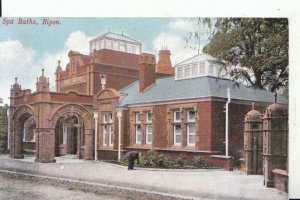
x,y
276,107
16,86
43,79
58,69
253,114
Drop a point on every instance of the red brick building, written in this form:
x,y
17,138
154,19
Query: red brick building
x,y
170,109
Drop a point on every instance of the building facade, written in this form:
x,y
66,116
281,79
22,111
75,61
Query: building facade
x,y
142,104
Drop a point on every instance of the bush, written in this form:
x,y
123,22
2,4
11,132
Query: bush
x,y
153,159
199,162
181,161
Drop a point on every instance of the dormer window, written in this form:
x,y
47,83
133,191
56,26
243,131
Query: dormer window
x,y
202,68
187,71
197,66
180,72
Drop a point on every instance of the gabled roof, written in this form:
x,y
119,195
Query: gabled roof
x,y
197,58
168,89
117,36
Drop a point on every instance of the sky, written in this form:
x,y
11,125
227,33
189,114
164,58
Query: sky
x,y
26,49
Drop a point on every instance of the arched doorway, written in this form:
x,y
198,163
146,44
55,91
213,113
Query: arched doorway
x,y
69,135
22,136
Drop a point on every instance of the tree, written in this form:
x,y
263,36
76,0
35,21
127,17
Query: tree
x,y
255,48
3,128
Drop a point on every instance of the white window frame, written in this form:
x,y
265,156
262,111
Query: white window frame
x,y
105,134
148,134
107,129
194,66
189,134
180,72
147,117
174,116
138,118
176,123
188,69
202,69
177,134
111,134
189,119
210,69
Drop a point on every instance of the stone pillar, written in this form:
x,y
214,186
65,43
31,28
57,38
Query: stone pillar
x,y
16,142
253,143
89,144
275,141
45,145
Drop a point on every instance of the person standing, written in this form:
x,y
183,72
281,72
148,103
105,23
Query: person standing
x,y
132,156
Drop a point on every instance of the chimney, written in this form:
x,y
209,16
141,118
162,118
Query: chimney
x,y
147,73
164,65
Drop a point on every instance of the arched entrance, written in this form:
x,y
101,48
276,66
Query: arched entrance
x,y
72,125
23,136
69,135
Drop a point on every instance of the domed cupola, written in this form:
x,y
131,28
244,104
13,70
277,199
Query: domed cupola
x,y
15,89
42,84
58,68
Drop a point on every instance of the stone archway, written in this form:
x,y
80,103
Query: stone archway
x,y
21,115
78,133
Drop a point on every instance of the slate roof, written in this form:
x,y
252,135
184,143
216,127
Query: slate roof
x,y
168,89
116,36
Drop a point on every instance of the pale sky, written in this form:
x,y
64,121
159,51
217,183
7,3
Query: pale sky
x,y
26,49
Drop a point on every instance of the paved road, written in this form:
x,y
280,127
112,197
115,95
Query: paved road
x,y
208,184
21,189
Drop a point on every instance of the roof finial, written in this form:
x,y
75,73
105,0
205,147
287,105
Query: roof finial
x,y
122,32
109,29
252,105
275,97
43,72
58,62
16,80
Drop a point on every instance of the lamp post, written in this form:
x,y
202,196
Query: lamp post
x,y
119,115
96,132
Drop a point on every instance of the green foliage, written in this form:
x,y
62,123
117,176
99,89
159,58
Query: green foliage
x,y
181,161
199,162
153,159
3,128
259,45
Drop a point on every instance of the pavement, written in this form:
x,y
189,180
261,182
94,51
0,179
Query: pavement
x,y
183,183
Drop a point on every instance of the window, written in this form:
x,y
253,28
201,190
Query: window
x,y
105,133
191,134
202,68
194,70
149,134
149,117
177,116
107,129
177,134
138,128
102,44
111,135
115,46
179,72
148,128
177,127
210,69
191,114
187,71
